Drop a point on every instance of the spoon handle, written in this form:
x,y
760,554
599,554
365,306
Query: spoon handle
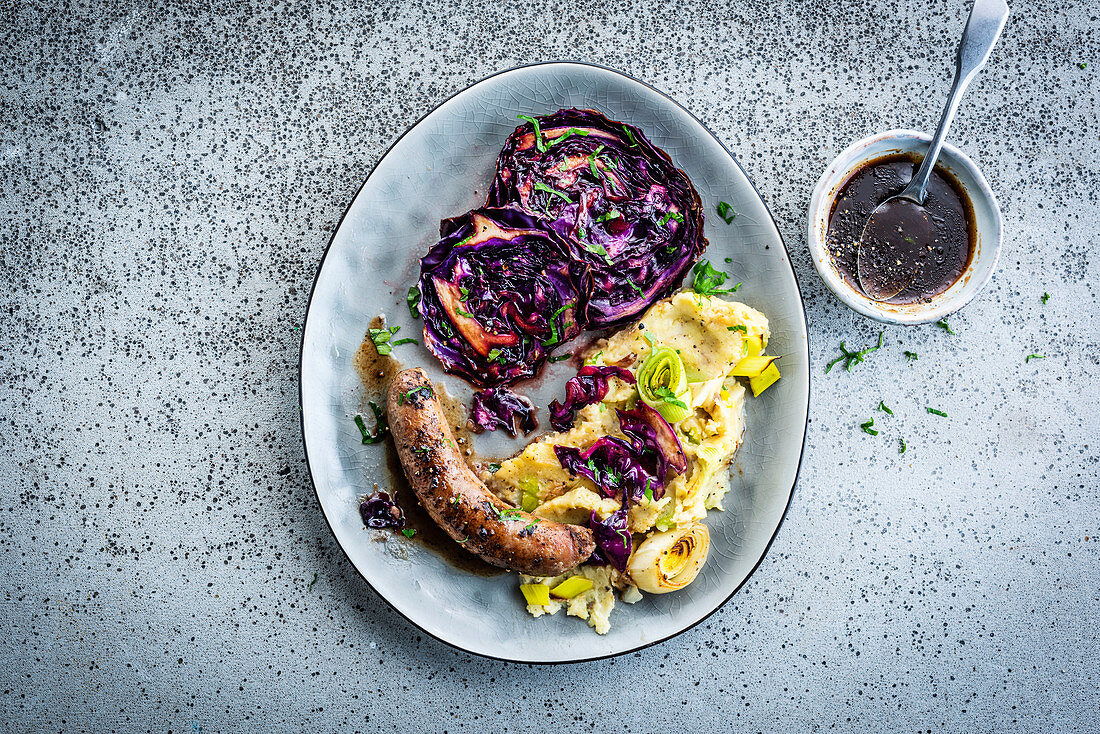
x,y
987,18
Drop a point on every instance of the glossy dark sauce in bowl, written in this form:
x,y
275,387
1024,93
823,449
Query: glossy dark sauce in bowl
x,y
931,245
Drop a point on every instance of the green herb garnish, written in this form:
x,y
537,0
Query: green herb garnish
x,y
560,358
630,137
408,532
540,186
381,427
381,339
311,583
413,299
566,135
598,249
608,216
933,411
901,445
853,358
1082,65
494,467
462,312
729,259
942,323
540,144
1030,357
495,355
707,280
407,397
882,407
464,293
670,215
669,397
739,327
406,340
634,285
867,427
649,490
554,339
1046,297
726,212
910,356
592,163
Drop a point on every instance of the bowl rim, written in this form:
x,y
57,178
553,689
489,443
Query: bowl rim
x,y
839,170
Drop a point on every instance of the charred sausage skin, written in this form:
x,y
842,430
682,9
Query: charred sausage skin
x,y
460,502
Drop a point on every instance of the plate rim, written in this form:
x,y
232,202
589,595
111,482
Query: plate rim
x,y
804,327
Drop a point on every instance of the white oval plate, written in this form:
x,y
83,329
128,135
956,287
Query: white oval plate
x,y
442,167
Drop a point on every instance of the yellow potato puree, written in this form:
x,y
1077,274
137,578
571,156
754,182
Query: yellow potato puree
x,y
701,330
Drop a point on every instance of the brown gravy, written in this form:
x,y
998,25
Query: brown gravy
x,y
926,247
376,371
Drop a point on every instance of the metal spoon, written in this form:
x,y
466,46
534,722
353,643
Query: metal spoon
x,y
880,274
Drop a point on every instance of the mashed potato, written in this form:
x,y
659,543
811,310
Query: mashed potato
x,y
710,336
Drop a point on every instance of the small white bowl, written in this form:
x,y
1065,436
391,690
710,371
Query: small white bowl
x,y
987,216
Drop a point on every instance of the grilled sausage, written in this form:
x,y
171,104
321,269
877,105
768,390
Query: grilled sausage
x,y
460,502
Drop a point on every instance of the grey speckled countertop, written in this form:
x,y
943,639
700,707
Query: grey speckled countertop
x,y
169,176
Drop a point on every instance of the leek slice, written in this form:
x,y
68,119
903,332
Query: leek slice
x,y
671,560
537,595
571,587
764,380
530,494
752,366
663,386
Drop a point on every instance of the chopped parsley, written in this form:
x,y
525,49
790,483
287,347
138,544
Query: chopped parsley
x,y
554,338
883,408
311,583
1030,357
901,445
933,411
707,280
867,427
540,144
408,532
670,215
407,397
413,299
598,249
560,358
649,490
739,327
726,212
381,338
853,358
495,355
592,163
566,135
608,216
1045,298
910,356
381,426
942,323
540,186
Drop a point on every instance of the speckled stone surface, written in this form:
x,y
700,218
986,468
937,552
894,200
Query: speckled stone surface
x,y
169,176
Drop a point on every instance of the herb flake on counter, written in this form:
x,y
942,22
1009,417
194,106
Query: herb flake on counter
x,y
381,426
561,358
1045,298
901,445
726,212
883,408
381,338
708,280
933,411
1030,357
867,427
413,299
853,358
406,340
1082,65
910,356
942,323
311,583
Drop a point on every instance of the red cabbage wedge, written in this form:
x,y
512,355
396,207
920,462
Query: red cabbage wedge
x,y
637,218
498,293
